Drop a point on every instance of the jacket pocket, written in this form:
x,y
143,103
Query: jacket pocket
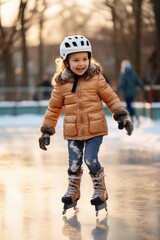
x,y
70,128
95,122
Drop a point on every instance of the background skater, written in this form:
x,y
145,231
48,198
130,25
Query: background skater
x,y
128,84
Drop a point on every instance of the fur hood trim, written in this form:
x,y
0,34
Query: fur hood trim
x,y
67,75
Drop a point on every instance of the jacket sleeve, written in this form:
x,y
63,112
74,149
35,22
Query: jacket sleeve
x,y
139,83
53,111
110,98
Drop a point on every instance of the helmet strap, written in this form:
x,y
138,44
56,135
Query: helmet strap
x,y
76,78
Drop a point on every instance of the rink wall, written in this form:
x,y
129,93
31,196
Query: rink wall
x,y
39,107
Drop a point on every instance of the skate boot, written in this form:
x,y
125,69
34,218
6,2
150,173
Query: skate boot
x,y
100,192
73,193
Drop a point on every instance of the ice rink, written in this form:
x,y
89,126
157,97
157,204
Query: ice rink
x,y
32,183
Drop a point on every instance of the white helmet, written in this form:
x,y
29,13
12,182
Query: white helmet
x,y
73,44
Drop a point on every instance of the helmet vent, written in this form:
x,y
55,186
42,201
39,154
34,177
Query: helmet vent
x,y
74,44
82,43
67,45
87,43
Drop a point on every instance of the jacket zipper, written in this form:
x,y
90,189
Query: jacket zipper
x,y
80,108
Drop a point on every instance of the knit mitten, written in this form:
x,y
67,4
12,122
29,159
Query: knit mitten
x,y
124,122
44,140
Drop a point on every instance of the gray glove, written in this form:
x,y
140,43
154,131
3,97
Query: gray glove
x,y
123,122
44,141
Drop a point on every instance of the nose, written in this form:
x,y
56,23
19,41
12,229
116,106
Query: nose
x,y
81,62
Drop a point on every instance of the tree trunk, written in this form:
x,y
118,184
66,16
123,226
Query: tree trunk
x,y
40,49
24,47
137,12
9,74
6,46
115,37
8,68
156,8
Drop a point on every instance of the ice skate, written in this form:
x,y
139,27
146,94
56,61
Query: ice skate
x,y
73,193
100,192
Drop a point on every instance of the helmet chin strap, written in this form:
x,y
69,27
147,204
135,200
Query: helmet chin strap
x,y
76,78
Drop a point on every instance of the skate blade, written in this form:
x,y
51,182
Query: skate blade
x,y
68,206
100,207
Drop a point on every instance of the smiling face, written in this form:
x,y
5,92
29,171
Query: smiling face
x,y
79,62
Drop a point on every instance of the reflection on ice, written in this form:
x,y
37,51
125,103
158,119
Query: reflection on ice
x,y
72,228
100,232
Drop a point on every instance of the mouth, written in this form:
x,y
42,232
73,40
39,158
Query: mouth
x,y
81,69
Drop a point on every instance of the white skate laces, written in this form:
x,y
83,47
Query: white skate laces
x,y
98,185
73,186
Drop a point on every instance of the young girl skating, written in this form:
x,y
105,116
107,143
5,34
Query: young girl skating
x,y
80,91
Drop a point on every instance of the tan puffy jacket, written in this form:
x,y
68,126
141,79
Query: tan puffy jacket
x,y
84,115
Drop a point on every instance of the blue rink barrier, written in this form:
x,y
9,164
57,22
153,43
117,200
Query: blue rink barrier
x,y
39,107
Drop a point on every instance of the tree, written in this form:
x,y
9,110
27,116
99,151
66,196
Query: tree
x,y
137,15
113,6
11,37
22,9
6,43
41,22
126,18
156,8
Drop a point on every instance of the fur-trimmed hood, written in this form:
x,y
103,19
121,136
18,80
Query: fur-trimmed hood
x,y
68,75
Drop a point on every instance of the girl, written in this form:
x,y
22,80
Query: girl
x,y
80,90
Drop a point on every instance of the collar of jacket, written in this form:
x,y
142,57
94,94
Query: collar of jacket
x,y
67,75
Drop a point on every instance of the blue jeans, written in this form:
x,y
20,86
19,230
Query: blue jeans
x,y
129,105
89,148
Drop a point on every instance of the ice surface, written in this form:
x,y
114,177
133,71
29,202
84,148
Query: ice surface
x,y
32,183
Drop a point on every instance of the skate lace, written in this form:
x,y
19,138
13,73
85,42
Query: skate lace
x,y
73,185
98,186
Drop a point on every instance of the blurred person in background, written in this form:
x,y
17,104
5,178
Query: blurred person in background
x,y
44,88
128,84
